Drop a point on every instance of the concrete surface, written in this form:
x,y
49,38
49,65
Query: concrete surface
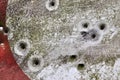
x,y
66,39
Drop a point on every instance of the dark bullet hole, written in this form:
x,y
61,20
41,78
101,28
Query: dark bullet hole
x,y
52,3
36,61
6,29
84,33
93,36
102,26
80,66
72,58
85,25
23,45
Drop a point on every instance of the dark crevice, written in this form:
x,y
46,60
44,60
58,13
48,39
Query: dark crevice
x,y
6,30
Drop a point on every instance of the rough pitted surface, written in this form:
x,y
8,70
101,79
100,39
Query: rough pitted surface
x,y
44,34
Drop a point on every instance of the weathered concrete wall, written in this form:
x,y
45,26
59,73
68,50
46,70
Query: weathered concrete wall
x,y
66,39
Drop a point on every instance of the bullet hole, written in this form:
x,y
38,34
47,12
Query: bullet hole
x,y
93,36
85,25
22,47
52,5
102,26
35,63
84,33
80,66
72,58
6,30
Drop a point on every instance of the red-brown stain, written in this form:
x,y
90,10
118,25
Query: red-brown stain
x,y
9,70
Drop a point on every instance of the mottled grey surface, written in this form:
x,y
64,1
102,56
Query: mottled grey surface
x,y
66,39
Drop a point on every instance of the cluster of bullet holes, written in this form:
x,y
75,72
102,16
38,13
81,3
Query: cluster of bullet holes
x,y
90,33
73,58
22,47
35,63
52,5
